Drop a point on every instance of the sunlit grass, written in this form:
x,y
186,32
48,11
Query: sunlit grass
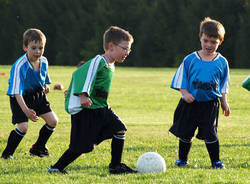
x,y
141,97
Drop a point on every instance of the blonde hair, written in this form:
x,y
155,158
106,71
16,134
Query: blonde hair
x,y
212,28
33,34
115,35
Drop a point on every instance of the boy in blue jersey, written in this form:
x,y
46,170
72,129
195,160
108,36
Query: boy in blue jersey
x,y
92,121
202,79
28,86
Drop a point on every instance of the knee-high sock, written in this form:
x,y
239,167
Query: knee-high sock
x,y
184,148
117,149
67,158
14,139
44,134
213,151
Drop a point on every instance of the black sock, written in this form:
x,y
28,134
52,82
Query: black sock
x,y
213,151
184,148
14,139
44,134
67,157
117,149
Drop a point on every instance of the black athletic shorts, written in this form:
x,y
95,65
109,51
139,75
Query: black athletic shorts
x,y
35,100
92,126
190,116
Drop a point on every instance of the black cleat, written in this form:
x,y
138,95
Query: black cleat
x,y
41,152
52,170
121,169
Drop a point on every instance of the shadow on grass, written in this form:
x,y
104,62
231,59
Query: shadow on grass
x,y
147,148
235,145
101,171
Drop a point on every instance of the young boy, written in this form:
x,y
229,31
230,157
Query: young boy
x,y
86,100
202,78
28,86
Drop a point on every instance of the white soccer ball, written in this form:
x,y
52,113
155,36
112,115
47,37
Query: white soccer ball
x,y
151,162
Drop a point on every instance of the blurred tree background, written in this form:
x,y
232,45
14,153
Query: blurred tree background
x,y
165,31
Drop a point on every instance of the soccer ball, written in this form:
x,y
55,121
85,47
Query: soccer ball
x,y
151,162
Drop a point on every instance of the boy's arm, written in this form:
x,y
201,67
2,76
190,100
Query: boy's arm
x,y
30,113
188,97
224,105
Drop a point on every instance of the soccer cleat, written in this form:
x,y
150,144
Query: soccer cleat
x,y
218,165
41,152
56,170
181,163
7,156
121,169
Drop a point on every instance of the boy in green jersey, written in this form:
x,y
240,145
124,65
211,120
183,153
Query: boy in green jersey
x,y
92,121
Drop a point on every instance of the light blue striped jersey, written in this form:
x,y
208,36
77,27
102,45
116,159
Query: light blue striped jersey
x,y
205,80
23,77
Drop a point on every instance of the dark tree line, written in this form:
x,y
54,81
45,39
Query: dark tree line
x,y
164,30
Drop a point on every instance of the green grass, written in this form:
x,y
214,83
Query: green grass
x,y
143,100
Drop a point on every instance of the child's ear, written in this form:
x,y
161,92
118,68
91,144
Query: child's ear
x,y
24,48
111,45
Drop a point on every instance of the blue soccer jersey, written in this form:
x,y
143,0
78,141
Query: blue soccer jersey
x,y
23,77
205,80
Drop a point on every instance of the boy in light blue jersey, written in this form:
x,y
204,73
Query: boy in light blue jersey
x,y
28,86
202,78
92,120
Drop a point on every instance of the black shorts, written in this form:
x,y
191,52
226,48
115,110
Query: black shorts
x,y
92,126
189,116
35,100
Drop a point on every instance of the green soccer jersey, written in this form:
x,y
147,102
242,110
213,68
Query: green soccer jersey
x,y
93,78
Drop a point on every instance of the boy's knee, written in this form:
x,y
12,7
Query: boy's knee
x,y
210,141
121,132
53,122
23,127
50,118
120,135
186,140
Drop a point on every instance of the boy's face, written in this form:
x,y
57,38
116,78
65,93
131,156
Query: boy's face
x,y
34,50
120,51
209,45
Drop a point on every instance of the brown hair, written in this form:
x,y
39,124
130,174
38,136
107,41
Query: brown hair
x,y
212,28
115,35
33,34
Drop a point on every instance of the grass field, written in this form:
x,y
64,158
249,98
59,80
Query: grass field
x,y
143,100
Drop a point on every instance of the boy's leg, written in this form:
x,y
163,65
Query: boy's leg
x,y
116,167
213,149
14,139
117,145
184,148
114,128
46,131
67,158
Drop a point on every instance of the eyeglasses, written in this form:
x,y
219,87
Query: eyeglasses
x,y
128,50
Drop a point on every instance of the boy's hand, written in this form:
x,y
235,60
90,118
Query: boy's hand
x,y
188,97
85,101
225,108
46,89
224,105
65,93
31,114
